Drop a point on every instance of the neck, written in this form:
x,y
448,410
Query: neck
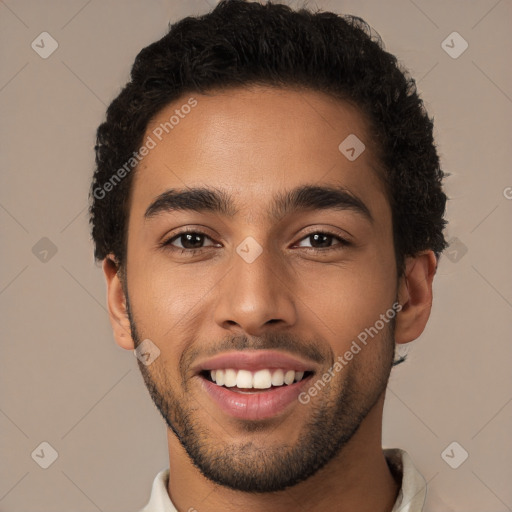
x,y
358,478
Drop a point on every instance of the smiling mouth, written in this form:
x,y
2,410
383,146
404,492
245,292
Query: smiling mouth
x,y
245,381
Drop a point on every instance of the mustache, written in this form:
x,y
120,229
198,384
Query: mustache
x,y
313,350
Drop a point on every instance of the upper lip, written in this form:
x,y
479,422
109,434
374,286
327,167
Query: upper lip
x,y
254,360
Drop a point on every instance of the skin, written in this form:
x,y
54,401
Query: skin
x,y
254,143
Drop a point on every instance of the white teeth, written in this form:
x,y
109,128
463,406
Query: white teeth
x,y
219,377
278,378
262,379
244,379
229,378
289,377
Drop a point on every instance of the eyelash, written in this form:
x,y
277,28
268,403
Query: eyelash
x,y
167,244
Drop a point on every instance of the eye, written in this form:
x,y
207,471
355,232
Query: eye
x,y
188,241
322,241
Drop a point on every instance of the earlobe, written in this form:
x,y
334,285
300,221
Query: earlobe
x,y
415,296
116,303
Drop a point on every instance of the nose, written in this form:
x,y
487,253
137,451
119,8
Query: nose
x,y
255,296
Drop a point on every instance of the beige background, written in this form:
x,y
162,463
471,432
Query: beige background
x,y
64,381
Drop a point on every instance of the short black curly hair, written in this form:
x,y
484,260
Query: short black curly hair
x,y
244,43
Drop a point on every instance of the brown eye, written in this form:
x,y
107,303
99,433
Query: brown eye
x,y
322,240
188,241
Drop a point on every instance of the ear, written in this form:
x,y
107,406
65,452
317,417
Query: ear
x,y
415,296
116,302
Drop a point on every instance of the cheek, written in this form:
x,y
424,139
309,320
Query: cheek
x,y
166,298
343,301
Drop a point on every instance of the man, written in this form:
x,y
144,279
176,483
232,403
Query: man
x,y
268,208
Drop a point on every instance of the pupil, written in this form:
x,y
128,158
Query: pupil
x,y
189,240
316,237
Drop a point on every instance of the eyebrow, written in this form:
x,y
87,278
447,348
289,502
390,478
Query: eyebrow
x,y
305,197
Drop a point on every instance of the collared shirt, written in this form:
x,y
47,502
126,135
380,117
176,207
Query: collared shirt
x,y
411,497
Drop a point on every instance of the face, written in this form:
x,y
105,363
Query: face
x,y
253,288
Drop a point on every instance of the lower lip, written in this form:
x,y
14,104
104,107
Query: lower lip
x,y
259,405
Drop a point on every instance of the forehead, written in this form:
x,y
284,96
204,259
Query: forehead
x,y
254,143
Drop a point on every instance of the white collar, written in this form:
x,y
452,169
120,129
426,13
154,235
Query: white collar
x,y
411,496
